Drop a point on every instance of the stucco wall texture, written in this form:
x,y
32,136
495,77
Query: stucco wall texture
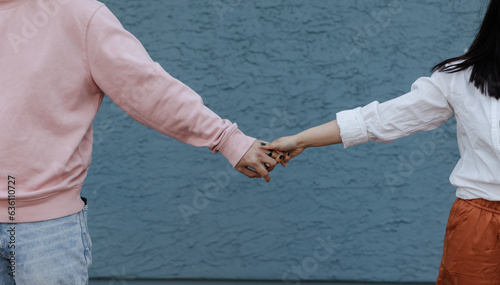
x,y
375,212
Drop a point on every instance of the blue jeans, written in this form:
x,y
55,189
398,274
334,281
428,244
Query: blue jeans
x,y
50,252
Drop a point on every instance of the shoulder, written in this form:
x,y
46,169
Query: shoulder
x,y
460,92
76,12
451,79
453,72
80,6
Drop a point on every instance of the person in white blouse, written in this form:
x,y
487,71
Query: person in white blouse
x,y
467,87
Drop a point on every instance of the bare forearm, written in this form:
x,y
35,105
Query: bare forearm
x,y
322,135
292,146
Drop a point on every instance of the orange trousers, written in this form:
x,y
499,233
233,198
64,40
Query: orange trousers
x,y
471,254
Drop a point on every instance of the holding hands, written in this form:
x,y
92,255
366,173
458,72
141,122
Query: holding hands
x,y
290,146
257,163
262,157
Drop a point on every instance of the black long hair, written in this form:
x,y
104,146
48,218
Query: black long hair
x,y
483,55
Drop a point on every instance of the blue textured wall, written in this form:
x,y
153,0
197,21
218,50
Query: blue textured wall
x,y
276,68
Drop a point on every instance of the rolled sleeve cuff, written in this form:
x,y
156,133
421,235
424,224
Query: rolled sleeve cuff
x,y
352,127
235,147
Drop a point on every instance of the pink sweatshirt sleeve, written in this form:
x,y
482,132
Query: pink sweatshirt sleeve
x,y
121,68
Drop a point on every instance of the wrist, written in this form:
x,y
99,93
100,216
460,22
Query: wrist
x,y
236,146
301,140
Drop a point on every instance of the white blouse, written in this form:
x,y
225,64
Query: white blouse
x,y
431,102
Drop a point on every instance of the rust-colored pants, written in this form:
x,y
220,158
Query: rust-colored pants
x,y
471,254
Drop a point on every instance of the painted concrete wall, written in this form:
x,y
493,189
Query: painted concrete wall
x,y
373,212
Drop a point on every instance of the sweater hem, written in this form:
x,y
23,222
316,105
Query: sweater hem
x,y
28,209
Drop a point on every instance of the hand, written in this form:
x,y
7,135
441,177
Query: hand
x,y
256,163
287,145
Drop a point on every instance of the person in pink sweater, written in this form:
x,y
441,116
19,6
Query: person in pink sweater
x,y
58,59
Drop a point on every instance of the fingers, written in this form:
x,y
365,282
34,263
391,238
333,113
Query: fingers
x,y
257,162
269,155
262,171
248,172
271,146
283,145
269,162
263,157
283,159
275,154
287,158
280,158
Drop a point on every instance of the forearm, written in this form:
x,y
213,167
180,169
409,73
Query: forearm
x,y
322,135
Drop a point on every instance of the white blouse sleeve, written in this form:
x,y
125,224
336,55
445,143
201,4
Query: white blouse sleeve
x,y
424,108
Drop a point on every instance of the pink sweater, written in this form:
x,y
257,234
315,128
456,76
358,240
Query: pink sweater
x,y
58,58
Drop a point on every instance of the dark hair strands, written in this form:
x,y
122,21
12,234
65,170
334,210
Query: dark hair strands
x,y
483,56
